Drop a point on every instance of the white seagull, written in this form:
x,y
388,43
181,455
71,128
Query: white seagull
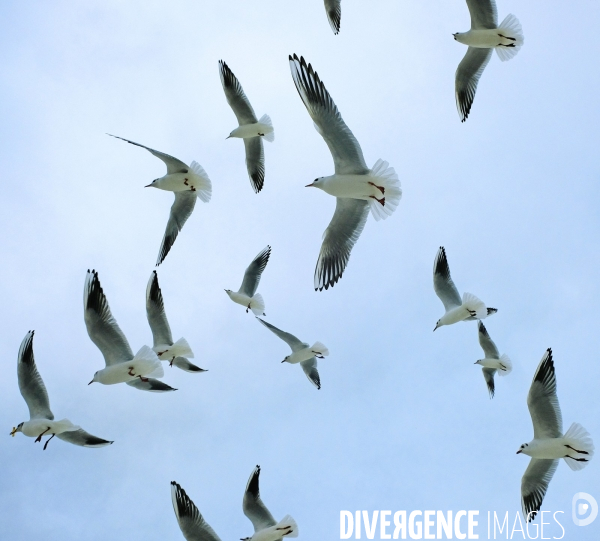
x,y
334,14
138,371
246,295
356,187
41,419
250,130
549,445
188,182
492,362
191,522
485,36
467,309
176,353
266,528
302,353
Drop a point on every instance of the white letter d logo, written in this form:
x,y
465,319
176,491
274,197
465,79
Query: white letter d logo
x,y
580,509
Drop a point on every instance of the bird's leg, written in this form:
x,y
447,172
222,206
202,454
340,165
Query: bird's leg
x,y
318,355
162,352
48,441
381,188
143,379
130,369
509,45
580,452
248,308
472,313
39,438
506,37
193,189
261,134
578,459
171,362
380,201
185,181
503,367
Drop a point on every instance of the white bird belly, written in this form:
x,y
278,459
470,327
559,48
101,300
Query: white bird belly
x,y
35,427
255,129
122,372
352,186
180,182
490,363
454,316
301,355
550,448
240,298
482,39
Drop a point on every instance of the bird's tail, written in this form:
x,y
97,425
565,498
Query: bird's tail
x,y
506,363
257,305
179,349
266,119
287,527
319,348
204,190
581,447
473,304
386,180
147,363
510,29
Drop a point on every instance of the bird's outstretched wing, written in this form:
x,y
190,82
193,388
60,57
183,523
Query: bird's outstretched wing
x,y
253,506
488,375
150,384
82,438
173,164
467,76
155,312
235,96
484,14
192,523
181,210
442,282
334,14
254,272
255,162
543,401
534,485
288,338
487,344
310,369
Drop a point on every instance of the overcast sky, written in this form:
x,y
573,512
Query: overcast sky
x,y
403,420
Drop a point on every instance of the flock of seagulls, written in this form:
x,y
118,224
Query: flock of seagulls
x,y
359,191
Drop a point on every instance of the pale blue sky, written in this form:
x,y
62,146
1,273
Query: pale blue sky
x,y
403,420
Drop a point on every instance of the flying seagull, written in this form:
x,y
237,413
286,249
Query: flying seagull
x,y
246,295
250,130
41,419
138,371
356,187
266,528
188,183
334,14
176,353
492,362
485,36
467,309
302,353
192,523
548,444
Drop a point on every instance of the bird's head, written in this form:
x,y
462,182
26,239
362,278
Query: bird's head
x,y
286,359
152,184
454,35
18,428
522,448
317,183
437,325
94,379
479,361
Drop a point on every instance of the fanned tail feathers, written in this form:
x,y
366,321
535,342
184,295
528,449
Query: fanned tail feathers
x,y
204,192
511,29
507,363
266,119
288,527
386,177
579,439
473,304
257,305
320,348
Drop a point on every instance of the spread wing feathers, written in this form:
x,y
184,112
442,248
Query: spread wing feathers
x,y
150,384
334,14
255,162
173,164
288,338
488,375
183,364
155,311
82,438
191,522
543,402
345,150
254,272
310,369
467,76
102,327
31,384
534,485
253,506
340,236
483,14
235,96
487,344
180,211
442,282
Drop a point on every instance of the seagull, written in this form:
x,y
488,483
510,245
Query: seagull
x,y
41,419
188,183
492,362
266,528
121,365
164,347
548,444
301,353
484,36
467,309
246,295
356,187
192,523
250,130
334,14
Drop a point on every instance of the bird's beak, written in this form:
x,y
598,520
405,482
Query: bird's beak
x,y
228,137
13,431
436,327
283,361
91,382
148,186
519,451
310,185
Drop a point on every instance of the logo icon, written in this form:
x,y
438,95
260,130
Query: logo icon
x,y
584,513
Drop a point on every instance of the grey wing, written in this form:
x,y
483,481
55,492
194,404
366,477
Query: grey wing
x,y
191,522
488,374
339,238
334,14
288,338
31,384
310,369
101,326
467,76
487,344
535,483
173,164
253,506
345,150
483,14
180,211
82,438
150,384
254,272
155,311
543,402
235,96
183,364
255,162
442,281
